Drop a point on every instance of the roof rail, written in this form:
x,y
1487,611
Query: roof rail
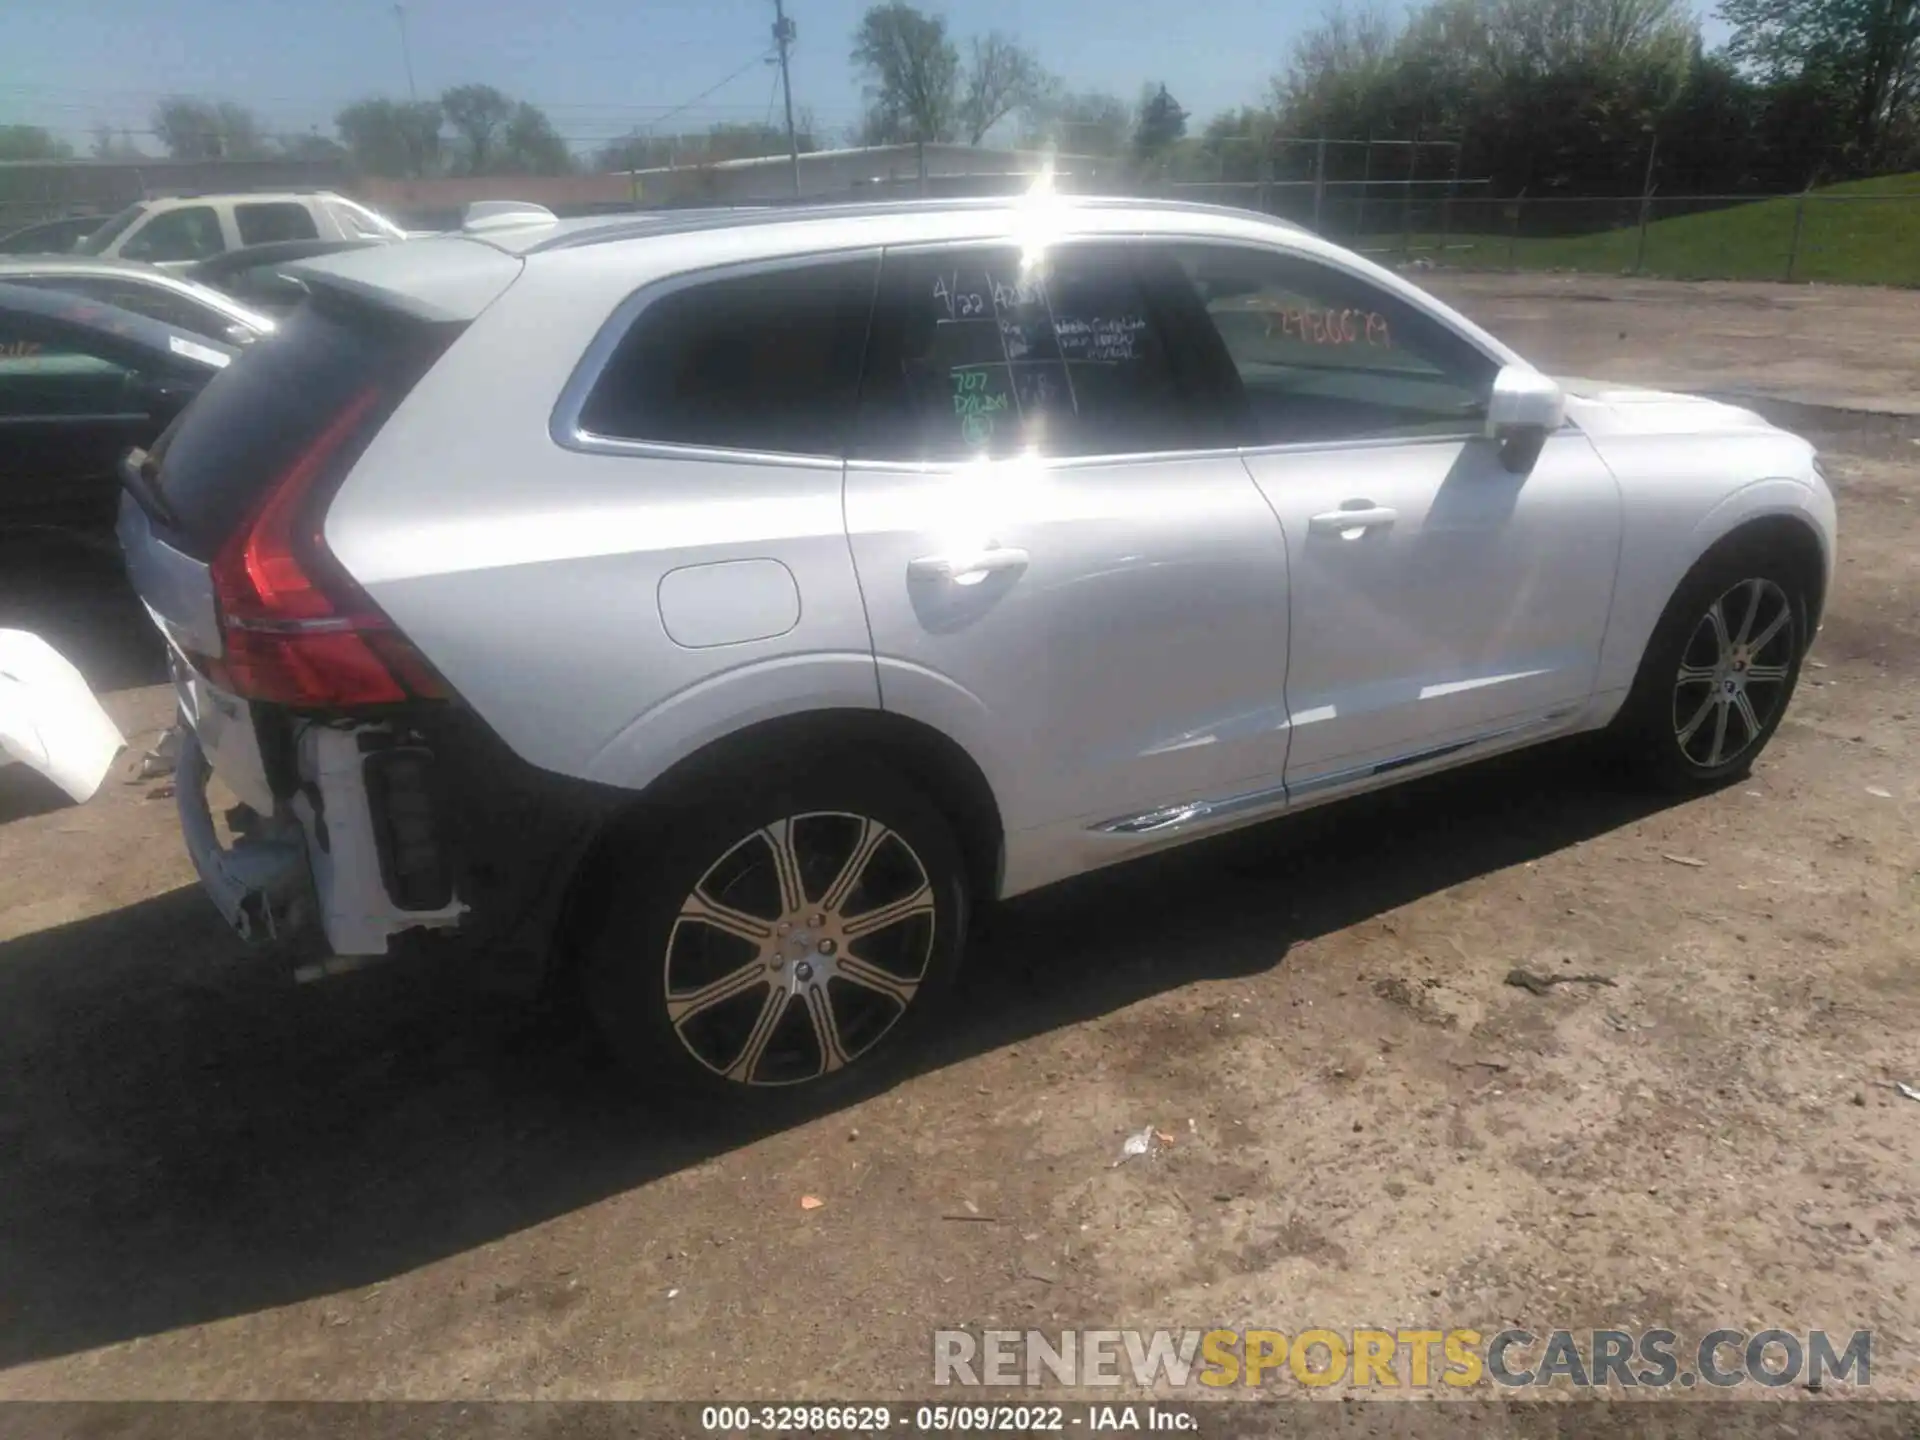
x,y
483,215
670,222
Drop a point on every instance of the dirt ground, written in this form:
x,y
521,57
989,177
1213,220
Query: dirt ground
x,y
213,1183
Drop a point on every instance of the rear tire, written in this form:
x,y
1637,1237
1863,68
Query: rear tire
x,y
1718,672
781,942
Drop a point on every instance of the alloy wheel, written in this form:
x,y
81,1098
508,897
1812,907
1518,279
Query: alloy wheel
x,y
1733,673
799,949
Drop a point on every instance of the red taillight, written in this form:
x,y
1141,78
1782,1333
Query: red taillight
x,y
297,630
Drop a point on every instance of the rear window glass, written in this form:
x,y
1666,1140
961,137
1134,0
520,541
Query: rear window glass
x,y
265,223
255,418
766,362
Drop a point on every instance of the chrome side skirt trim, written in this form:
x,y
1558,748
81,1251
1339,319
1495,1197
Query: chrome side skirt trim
x,y
1174,817
1178,817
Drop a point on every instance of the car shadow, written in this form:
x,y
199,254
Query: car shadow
x,y
186,1139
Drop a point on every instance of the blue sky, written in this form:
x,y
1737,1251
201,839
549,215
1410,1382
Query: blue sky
x,y
599,67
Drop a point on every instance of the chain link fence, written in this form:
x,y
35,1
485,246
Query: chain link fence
x,y
1811,236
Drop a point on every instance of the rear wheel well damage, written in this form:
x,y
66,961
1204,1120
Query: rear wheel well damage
x,y
923,757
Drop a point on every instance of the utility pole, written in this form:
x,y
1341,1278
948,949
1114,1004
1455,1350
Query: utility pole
x,y
1646,202
406,55
783,32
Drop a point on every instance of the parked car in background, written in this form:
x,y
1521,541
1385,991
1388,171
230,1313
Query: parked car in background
x,y
50,237
81,384
259,275
729,606
182,229
145,290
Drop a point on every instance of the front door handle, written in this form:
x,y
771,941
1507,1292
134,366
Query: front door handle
x,y
967,567
1352,524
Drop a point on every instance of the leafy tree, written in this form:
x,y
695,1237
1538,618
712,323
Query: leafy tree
x,y
479,116
1090,123
1864,53
1161,125
193,129
31,142
391,137
1001,77
727,140
111,145
531,146
312,147
1236,144
912,72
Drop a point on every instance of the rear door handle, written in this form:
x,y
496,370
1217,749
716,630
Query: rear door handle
x,y
967,567
1352,524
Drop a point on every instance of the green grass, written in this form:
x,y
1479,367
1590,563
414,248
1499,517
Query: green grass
x,y
1865,232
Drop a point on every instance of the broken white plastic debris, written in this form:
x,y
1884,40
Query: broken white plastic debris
x,y
49,718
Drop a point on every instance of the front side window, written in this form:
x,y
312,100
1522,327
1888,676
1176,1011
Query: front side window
x,y
268,222
767,362
189,233
98,240
42,379
1322,355
988,351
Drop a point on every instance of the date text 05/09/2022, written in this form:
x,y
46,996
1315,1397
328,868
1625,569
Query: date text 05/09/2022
x,y
943,1419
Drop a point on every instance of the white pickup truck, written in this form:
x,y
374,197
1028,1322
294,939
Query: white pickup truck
x,y
180,230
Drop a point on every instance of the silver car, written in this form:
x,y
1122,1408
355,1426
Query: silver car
x,y
721,608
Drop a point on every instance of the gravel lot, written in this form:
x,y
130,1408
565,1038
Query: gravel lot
x,y
213,1183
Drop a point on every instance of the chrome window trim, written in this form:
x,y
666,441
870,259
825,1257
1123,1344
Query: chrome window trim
x,y
564,427
566,431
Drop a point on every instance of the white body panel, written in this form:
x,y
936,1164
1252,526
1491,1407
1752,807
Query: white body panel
x,y
1133,653
1464,599
1132,650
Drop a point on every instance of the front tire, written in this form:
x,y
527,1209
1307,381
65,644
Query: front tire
x,y
1718,672
783,942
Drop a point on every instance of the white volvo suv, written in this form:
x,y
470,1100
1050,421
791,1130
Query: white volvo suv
x,y
719,608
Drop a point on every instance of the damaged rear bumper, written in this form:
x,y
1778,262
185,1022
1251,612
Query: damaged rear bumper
x,y
260,884
351,855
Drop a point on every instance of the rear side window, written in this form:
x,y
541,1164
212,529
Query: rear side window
x,y
259,414
767,362
189,233
268,223
156,302
980,351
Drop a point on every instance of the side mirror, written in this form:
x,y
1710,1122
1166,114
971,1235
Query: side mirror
x,y
1524,409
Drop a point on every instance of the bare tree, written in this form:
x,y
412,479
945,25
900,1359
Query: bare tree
x,y
1001,78
479,115
208,130
392,137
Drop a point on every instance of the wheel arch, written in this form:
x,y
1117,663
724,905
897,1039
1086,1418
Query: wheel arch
x,y
925,757
1789,533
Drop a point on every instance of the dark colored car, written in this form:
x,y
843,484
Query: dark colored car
x,y
256,274
82,383
50,237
